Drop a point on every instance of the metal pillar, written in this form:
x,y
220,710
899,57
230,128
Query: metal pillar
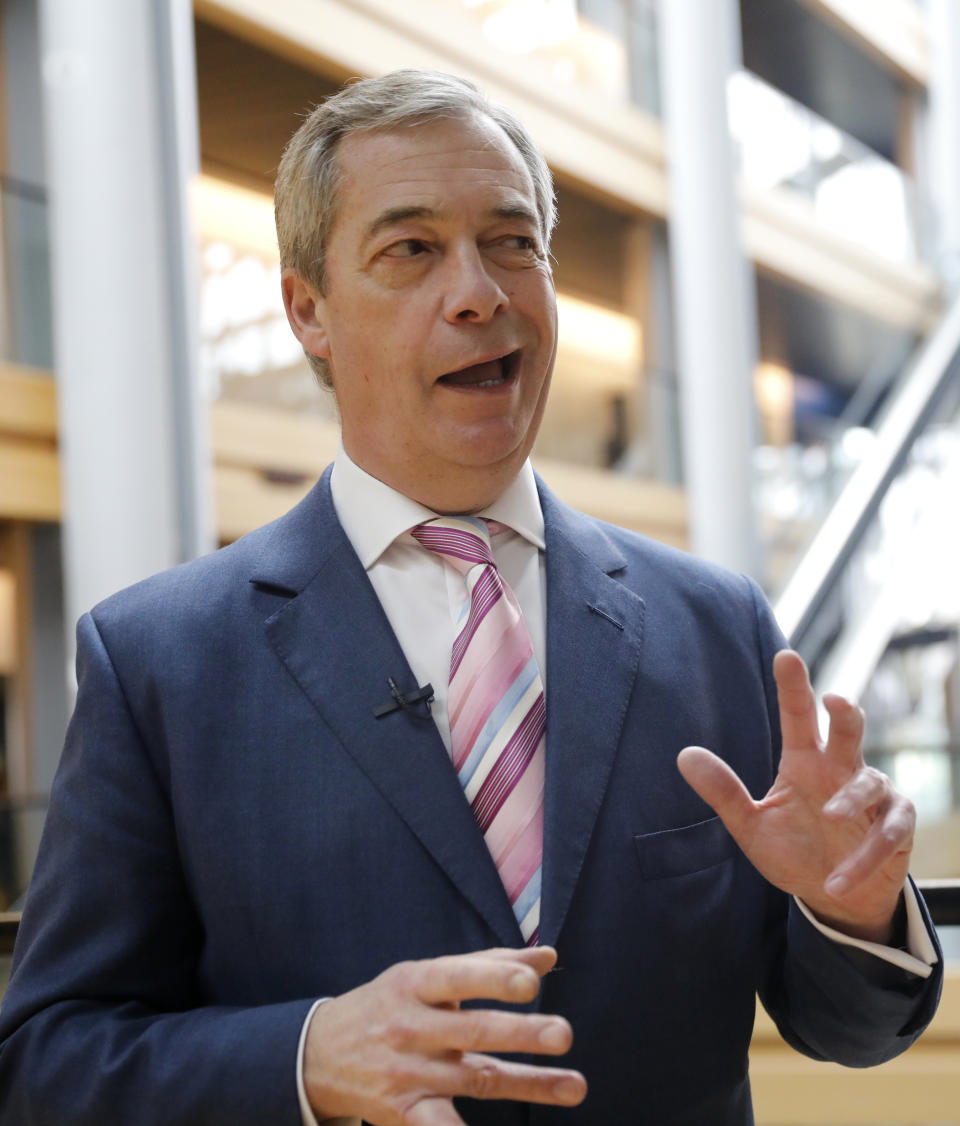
x,y
945,133
121,148
714,302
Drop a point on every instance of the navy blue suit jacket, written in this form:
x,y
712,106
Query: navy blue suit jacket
x,y
233,834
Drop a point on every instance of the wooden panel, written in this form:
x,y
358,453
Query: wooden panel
x,y
609,151
588,247
247,145
29,480
782,234
8,622
655,510
272,438
244,499
28,402
15,559
252,443
921,1087
614,148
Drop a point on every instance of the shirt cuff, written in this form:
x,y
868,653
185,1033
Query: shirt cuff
x,y
306,1112
920,954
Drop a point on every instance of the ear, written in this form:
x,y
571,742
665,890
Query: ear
x,y
304,308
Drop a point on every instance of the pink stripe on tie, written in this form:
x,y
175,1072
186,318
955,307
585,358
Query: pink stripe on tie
x,y
488,678
486,593
472,704
510,765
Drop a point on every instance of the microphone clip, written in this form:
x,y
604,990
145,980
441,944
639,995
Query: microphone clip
x,y
407,701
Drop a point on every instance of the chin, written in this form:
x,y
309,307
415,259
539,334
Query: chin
x,y
489,445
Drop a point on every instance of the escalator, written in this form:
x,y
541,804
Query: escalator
x,y
873,605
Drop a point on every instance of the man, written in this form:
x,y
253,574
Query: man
x,y
266,894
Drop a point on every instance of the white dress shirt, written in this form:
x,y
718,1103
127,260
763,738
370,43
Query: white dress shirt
x,y
423,597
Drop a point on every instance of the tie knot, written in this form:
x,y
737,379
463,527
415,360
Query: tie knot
x,y
462,539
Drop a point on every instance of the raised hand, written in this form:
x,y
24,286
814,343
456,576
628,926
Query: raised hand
x,y
830,830
397,1050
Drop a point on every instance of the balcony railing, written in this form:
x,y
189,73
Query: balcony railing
x,y
852,189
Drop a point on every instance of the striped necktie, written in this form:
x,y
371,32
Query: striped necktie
x,y
497,713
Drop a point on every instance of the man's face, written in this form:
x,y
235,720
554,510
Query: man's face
x,y
438,318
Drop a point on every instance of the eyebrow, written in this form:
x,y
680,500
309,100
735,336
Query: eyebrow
x,y
394,215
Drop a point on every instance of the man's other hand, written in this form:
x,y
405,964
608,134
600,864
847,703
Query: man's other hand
x,y
831,830
397,1050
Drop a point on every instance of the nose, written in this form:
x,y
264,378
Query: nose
x,y
471,292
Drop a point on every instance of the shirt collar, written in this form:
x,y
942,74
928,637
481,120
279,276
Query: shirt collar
x,y
373,514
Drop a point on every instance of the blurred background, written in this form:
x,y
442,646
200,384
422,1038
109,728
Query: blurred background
x,y
758,267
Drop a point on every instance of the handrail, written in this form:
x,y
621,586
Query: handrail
x,y
24,188
943,899
16,802
920,391
9,923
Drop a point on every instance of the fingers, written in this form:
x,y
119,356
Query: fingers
x,y
870,793
490,1030
398,1049
864,792
451,1074
440,984
719,787
798,706
541,958
845,739
499,974
482,1077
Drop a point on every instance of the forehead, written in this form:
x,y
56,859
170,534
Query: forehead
x,y
435,165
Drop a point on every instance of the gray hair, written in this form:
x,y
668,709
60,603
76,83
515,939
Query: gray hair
x,y
308,176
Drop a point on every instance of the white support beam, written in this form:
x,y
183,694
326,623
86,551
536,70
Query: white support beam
x,y
714,304
120,131
944,133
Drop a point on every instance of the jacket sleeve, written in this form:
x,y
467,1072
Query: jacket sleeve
x,y
831,1001
104,1020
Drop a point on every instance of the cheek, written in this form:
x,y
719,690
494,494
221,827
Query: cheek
x,y
397,335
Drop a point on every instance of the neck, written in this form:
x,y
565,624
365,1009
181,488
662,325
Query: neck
x,y
448,493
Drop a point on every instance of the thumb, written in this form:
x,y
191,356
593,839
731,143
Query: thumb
x,y
719,787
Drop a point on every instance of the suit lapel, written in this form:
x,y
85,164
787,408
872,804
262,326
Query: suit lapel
x,y
336,642
594,627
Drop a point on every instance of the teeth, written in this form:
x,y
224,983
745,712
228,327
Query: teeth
x,y
490,383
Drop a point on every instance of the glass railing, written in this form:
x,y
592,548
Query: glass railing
x,y
929,774
850,188
248,353
26,334
606,45
798,485
902,472
874,604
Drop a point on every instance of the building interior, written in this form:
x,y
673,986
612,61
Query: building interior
x,y
828,417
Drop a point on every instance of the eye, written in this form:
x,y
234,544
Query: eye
x,y
405,248
520,242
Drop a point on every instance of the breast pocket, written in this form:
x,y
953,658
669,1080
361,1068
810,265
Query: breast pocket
x,y
678,852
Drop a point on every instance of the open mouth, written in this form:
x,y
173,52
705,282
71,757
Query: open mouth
x,y
491,373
